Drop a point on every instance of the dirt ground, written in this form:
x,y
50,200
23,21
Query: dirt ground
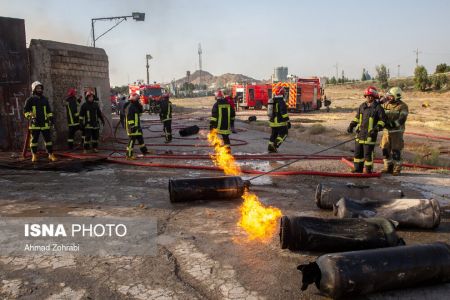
x,y
202,253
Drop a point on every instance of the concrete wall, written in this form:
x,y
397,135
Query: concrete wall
x,y
60,66
14,83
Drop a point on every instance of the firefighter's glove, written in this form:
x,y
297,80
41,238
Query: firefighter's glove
x,y
289,125
51,121
373,133
351,127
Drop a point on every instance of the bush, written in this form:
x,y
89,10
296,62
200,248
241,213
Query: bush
x,y
442,68
317,129
439,81
421,80
382,76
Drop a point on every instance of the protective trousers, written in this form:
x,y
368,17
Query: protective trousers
x,y
34,142
71,135
364,154
91,138
168,130
133,139
278,136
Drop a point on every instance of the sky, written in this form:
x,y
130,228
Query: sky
x,y
248,37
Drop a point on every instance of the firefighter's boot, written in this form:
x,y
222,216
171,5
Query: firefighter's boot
x,y
131,157
95,150
272,148
52,157
34,157
397,168
368,170
388,166
357,167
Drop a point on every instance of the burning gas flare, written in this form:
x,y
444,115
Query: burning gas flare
x,y
258,221
222,157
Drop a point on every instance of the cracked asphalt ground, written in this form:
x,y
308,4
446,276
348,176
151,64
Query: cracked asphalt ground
x,y
202,253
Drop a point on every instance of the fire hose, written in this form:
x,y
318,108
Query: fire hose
x,y
312,154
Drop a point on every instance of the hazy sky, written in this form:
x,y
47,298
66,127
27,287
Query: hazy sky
x,y
248,37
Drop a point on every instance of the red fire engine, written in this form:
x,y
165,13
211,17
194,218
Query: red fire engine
x,y
150,94
303,95
252,95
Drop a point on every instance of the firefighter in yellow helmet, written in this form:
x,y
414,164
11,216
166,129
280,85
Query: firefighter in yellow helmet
x,y
278,119
222,116
392,141
37,110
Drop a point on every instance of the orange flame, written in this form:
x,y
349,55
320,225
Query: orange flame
x,y
258,221
222,157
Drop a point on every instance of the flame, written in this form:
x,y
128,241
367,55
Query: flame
x,y
222,157
258,221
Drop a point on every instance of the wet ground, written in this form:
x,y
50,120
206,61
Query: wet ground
x,y
202,253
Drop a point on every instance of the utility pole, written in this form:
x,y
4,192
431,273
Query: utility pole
x,y
398,71
417,56
200,64
148,57
337,70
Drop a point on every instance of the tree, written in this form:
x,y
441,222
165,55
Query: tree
x,y
333,80
363,77
382,76
421,80
439,81
442,68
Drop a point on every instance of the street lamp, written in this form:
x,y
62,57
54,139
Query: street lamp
x,y
148,56
137,16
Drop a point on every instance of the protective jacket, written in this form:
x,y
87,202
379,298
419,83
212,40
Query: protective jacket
x,y
38,111
369,120
396,115
166,110
90,114
221,116
133,118
72,111
279,115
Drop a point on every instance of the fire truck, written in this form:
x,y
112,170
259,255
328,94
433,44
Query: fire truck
x,y
251,95
303,95
150,95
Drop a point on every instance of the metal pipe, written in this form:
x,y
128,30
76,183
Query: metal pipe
x,y
347,274
333,235
328,194
207,188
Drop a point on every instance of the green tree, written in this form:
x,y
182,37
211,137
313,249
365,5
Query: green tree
x,y
333,80
442,68
363,77
439,81
382,76
421,80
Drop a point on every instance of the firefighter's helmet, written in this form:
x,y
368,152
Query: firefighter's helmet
x,y
396,92
279,91
35,84
89,93
71,92
166,96
371,91
219,94
134,97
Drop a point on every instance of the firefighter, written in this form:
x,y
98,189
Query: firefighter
x,y
121,108
37,110
222,116
369,120
165,115
278,119
233,106
90,114
133,113
392,141
72,112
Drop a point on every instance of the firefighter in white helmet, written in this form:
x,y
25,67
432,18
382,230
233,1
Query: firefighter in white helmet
x,y
392,141
37,110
